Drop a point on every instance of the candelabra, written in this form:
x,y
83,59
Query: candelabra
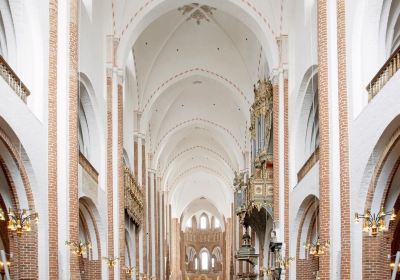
x,y
111,262
284,263
375,223
318,248
20,221
130,270
78,248
266,271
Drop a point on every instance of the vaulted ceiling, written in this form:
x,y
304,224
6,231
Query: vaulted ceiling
x,y
195,67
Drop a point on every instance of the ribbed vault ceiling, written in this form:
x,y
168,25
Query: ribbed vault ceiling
x,y
195,67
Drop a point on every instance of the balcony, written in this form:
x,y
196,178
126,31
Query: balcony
x,y
391,66
13,80
134,199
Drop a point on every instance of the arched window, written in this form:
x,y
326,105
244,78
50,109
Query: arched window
x,y
204,261
196,263
312,130
203,222
189,223
216,223
212,262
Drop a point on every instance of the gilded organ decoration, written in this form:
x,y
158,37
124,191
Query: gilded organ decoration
x,y
134,199
261,123
255,192
260,182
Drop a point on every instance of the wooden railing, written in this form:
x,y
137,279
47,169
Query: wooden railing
x,y
391,66
13,80
311,161
134,199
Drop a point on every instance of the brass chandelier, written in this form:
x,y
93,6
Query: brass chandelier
x,y
318,248
111,262
375,223
266,271
78,248
130,270
20,221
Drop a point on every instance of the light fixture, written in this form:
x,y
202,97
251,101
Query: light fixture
x,y
130,270
392,265
284,263
20,221
8,263
78,248
317,277
111,262
318,248
375,223
266,271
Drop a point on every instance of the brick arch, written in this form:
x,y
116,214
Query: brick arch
x,y
91,266
306,267
25,248
375,250
394,231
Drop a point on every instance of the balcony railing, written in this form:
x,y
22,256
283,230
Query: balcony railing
x,y
311,161
13,80
391,66
134,199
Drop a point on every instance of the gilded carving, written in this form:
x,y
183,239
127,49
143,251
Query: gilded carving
x,y
134,199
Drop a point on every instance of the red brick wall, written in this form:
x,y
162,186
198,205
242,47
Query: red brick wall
x,y
121,188
24,248
377,249
73,136
52,141
286,167
343,144
324,155
306,267
275,108
145,220
110,204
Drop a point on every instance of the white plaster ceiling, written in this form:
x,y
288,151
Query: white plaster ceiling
x,y
194,88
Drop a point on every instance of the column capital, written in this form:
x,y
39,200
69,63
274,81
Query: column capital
x,y
139,135
109,71
274,76
120,75
152,171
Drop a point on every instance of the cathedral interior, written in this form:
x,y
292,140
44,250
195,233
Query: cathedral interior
x,y
199,140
